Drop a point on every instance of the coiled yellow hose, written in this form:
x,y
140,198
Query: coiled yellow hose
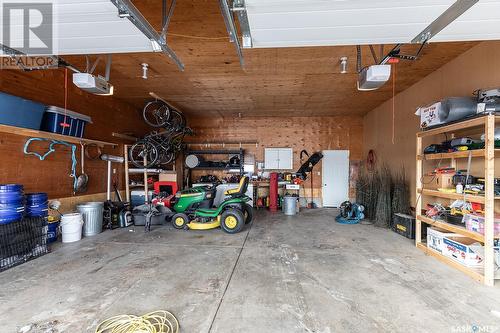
x,y
154,322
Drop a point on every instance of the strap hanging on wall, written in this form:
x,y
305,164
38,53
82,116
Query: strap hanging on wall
x,y
51,150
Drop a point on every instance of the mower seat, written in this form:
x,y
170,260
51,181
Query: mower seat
x,y
240,190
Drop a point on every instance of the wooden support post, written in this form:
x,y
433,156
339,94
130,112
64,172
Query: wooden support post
x,y
145,180
127,181
418,196
489,202
453,161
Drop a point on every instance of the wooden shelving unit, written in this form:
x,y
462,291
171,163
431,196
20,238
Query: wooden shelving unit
x,y
473,273
455,196
236,169
48,135
485,125
145,173
451,227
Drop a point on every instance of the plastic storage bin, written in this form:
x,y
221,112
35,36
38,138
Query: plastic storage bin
x,y
54,119
20,112
475,223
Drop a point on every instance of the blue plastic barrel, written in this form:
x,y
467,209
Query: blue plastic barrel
x,y
11,203
52,231
37,205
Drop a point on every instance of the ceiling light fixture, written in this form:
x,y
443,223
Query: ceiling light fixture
x,y
343,65
144,71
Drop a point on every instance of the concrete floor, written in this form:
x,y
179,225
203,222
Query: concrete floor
x,y
284,274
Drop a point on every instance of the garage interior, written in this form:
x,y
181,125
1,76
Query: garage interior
x,y
250,166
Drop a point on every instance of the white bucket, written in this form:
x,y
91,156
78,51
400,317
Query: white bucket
x,y
71,227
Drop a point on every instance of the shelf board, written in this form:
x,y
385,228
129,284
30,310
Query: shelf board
x,y
226,169
455,196
465,124
214,152
473,273
47,135
455,154
453,228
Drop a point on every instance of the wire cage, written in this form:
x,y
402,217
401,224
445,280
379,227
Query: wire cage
x,y
21,241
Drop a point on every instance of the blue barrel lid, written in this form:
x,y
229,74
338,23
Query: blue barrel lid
x,y
11,187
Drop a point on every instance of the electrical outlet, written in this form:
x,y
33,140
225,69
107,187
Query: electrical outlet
x,y
114,171
319,173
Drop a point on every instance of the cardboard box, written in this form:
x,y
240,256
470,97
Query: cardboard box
x,y
440,180
429,115
167,177
463,250
435,238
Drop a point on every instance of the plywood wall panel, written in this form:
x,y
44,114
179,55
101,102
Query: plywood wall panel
x,y
310,133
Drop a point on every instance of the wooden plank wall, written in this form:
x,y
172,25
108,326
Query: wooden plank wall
x,y
52,175
310,133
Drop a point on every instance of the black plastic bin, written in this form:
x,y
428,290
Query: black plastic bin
x,y
22,241
404,225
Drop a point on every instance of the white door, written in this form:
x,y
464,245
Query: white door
x,y
335,177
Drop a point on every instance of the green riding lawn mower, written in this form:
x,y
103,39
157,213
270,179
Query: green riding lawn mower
x,y
193,209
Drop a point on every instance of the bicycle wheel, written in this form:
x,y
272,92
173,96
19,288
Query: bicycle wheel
x,y
156,114
166,157
142,149
177,121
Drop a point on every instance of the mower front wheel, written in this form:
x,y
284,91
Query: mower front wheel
x,y
180,220
248,213
232,220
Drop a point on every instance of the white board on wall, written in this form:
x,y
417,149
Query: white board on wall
x,y
278,158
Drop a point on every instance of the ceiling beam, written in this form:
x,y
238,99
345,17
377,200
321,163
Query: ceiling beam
x,y
231,29
127,10
445,19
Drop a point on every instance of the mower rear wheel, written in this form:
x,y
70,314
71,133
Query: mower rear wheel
x,y
232,220
248,213
180,220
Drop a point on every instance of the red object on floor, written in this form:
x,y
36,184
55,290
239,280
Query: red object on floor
x,y
166,187
167,202
273,192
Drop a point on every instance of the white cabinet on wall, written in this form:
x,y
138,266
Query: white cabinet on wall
x,y
278,158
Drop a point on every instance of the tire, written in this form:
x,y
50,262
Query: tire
x,y
156,114
180,220
248,213
138,150
232,220
177,121
166,157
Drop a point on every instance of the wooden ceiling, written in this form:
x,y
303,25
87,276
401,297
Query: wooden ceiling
x,y
275,82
